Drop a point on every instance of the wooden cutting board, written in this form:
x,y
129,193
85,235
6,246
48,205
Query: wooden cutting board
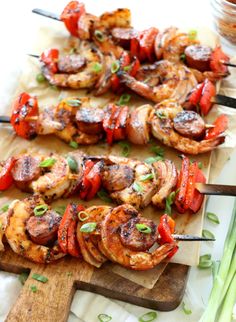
x,y
52,300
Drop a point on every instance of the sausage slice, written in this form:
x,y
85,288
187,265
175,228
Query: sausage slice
x,y
189,124
89,120
198,57
123,36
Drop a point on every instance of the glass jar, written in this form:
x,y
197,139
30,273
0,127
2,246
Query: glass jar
x,y
224,12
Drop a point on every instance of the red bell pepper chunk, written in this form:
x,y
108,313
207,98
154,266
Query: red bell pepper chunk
x,y
134,47
85,185
6,179
218,57
71,15
195,94
220,125
109,121
208,92
25,106
50,58
146,42
134,67
193,168
182,184
197,196
63,228
95,180
119,130
73,246
115,81
166,228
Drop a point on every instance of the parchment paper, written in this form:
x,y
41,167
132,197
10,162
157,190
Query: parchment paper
x,y
11,144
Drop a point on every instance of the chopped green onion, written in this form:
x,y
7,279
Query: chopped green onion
x,y
104,317
54,87
137,187
40,78
33,288
103,195
23,277
88,227
73,103
124,99
73,165
74,144
157,150
192,34
47,163
83,215
185,309
125,148
205,261
115,66
127,68
151,160
99,35
143,228
4,208
161,115
200,165
213,217
146,177
183,57
148,317
97,67
69,273
39,278
40,210
72,51
60,210
207,234
169,201
215,268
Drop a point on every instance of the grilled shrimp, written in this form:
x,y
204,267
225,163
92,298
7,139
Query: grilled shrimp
x,y
117,252
17,236
173,81
162,127
86,77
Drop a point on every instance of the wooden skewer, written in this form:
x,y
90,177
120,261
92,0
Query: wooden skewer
x,y
191,238
47,14
227,64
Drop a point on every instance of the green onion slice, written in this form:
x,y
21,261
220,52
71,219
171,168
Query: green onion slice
x,y
192,34
40,210
137,187
200,165
99,35
73,165
83,215
157,150
88,227
115,66
127,68
33,288
23,277
160,115
125,148
213,217
40,78
60,210
4,208
124,99
143,228
47,163
97,67
207,234
148,317
103,195
169,201
183,57
151,160
40,278
205,261
146,177
186,310
74,144
74,102
104,317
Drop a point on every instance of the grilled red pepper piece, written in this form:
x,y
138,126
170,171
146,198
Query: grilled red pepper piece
x,y
6,179
25,106
50,58
71,15
218,57
193,168
95,180
115,81
182,184
134,67
134,47
220,125
197,196
166,228
73,246
85,186
109,121
146,42
63,228
195,95
208,92
119,130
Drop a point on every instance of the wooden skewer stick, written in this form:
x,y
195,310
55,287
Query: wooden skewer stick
x,y
47,14
35,56
191,238
227,64
224,100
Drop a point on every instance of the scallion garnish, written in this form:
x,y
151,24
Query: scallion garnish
x,y
137,187
72,51
200,165
205,261
169,201
69,273
23,277
74,144
192,34
88,227
60,210
99,35
73,165
207,234
115,66
146,177
40,210
125,148
148,317
33,288
54,87
183,57
124,99
151,160
127,68
97,67
143,228
160,115
40,278
213,217
73,102
40,78
47,163
103,195
83,215
157,150
104,317
4,208
185,309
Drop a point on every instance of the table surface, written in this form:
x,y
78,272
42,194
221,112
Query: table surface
x,y
18,29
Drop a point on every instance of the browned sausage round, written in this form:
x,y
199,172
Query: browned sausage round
x,y
43,230
89,120
123,36
134,239
189,124
71,63
25,170
198,57
117,177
